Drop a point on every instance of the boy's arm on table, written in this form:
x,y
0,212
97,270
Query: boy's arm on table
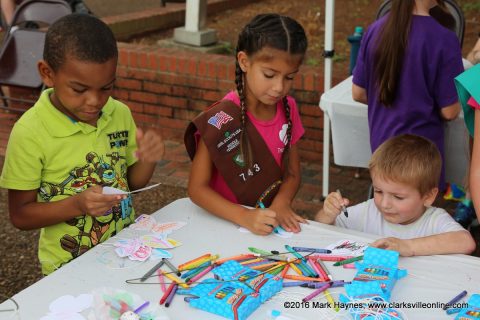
x,y
258,221
282,202
26,213
150,150
443,243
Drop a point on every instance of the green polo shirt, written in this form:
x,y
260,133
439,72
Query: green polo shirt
x,y
60,157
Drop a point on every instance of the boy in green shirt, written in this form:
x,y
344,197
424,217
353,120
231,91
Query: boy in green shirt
x,y
75,140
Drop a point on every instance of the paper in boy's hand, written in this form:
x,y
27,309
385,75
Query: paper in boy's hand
x,y
112,190
347,248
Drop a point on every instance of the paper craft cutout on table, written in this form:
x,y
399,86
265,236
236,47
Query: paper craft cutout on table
x,y
111,304
148,223
159,242
68,307
134,249
347,248
112,190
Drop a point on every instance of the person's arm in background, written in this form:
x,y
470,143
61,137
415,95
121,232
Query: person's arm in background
x,y
475,166
7,9
359,94
474,55
450,112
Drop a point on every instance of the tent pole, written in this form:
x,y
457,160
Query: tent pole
x,y
328,54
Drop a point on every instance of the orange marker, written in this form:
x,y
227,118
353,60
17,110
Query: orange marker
x,y
303,278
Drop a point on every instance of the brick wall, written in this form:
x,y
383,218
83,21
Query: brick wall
x,y
167,87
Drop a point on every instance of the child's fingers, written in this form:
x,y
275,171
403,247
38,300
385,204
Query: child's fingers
x,y
381,243
291,224
151,147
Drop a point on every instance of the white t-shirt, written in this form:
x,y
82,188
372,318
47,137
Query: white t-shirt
x,y
367,218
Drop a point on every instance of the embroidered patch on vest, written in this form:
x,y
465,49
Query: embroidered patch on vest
x,y
219,119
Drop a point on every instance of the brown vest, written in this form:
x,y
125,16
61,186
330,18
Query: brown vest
x,y
220,128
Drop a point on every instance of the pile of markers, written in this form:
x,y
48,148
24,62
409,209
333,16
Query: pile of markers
x,y
309,271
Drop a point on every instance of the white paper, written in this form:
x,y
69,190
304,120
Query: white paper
x,y
112,190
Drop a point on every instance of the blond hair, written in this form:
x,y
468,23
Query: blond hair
x,y
408,159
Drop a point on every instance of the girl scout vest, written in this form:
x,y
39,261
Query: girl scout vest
x,y
220,128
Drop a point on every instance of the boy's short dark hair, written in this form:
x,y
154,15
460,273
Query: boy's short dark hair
x,y
79,36
408,159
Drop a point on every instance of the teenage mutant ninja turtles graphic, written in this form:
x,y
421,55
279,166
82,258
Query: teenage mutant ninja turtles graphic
x,y
110,170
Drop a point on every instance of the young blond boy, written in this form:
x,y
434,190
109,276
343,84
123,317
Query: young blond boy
x,y
405,171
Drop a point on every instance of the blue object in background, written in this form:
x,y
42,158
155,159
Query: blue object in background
x,y
354,40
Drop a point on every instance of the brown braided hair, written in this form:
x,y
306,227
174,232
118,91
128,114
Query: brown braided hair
x,y
277,32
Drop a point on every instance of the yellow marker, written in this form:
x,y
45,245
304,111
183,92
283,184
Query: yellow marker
x,y
175,279
251,261
276,266
297,270
264,266
187,264
330,299
198,263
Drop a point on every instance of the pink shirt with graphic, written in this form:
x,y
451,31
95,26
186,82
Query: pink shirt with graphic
x,y
272,131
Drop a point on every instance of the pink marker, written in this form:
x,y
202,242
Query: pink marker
x,y
316,292
200,275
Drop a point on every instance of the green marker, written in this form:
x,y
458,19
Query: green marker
x,y
259,251
347,261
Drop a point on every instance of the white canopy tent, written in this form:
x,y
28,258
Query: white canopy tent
x,y
328,53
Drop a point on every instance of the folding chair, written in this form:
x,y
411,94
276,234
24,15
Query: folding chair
x,y
23,47
457,25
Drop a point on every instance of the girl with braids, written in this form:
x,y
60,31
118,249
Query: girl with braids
x,y
405,71
244,147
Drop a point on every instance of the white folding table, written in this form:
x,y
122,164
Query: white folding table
x,y
430,279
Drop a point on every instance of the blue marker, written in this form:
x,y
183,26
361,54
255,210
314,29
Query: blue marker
x,y
455,299
277,229
315,250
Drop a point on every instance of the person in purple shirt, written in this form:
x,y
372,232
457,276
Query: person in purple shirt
x,y
404,72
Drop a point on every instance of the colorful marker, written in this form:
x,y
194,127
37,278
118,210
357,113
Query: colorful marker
x,y
339,263
315,250
151,271
455,299
344,208
171,266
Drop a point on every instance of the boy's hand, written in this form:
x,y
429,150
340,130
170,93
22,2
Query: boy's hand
x,y
260,221
287,218
94,203
400,245
333,204
150,146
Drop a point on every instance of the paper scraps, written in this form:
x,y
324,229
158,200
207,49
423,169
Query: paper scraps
x,y
347,248
112,304
68,307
